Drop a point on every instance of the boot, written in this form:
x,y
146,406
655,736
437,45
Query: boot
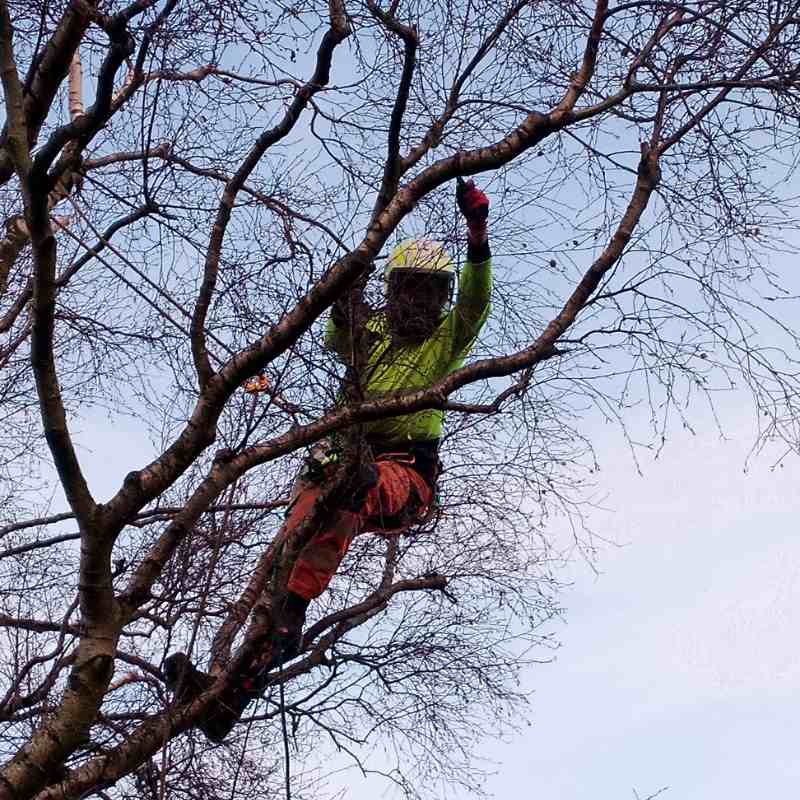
x,y
187,683
288,634
287,637
184,680
227,711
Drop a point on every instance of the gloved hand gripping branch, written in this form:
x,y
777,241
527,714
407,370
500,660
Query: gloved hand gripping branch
x,y
474,205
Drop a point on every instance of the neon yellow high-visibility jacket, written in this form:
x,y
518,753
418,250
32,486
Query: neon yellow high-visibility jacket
x,y
395,368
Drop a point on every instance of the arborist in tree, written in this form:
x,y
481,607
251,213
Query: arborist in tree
x,y
415,342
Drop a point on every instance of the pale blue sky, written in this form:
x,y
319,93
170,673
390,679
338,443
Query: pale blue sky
x,y
679,665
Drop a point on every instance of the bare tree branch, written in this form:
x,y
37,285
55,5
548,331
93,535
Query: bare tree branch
x,y
338,31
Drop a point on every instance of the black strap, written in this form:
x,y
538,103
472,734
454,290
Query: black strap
x,y
424,455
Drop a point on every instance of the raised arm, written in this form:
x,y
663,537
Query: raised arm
x,y
475,285
338,329
346,330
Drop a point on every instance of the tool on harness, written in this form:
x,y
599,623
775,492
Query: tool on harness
x,y
319,458
318,466
322,458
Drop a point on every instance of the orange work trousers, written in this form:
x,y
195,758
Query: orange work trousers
x,y
400,498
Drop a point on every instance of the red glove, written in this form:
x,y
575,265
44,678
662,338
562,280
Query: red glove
x,y
474,205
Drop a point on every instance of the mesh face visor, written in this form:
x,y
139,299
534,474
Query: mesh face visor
x,y
413,284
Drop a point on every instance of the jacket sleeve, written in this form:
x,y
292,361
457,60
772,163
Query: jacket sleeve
x,y
337,339
472,305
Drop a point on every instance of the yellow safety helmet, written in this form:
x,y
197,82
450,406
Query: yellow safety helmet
x,y
420,254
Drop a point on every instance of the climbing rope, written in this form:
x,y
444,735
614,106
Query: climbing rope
x,y
287,761
255,386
